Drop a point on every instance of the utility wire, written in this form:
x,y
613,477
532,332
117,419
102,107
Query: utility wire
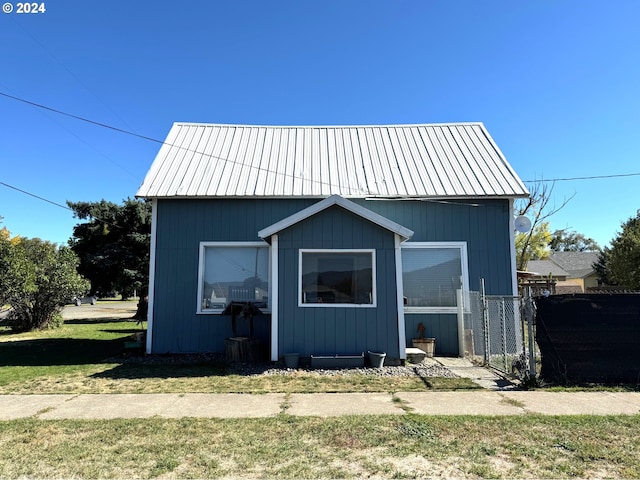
x,y
52,118
36,196
48,52
56,204
161,142
93,122
593,177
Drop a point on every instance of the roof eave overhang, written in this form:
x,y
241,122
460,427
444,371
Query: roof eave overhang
x,y
423,198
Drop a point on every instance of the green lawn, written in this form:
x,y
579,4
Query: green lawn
x,y
386,446
85,356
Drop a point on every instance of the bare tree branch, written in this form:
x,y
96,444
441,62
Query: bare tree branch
x,y
538,208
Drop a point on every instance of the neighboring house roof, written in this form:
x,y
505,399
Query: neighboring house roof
x,y
577,264
365,213
393,161
544,268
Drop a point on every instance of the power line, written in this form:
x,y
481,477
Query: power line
x,y
56,204
48,52
93,122
35,196
52,118
594,177
161,142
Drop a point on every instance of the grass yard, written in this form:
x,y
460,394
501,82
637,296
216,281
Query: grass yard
x,y
84,356
406,446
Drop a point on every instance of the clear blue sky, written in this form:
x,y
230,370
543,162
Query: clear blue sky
x,y
557,85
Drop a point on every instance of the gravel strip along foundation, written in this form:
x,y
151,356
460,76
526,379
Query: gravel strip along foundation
x,y
427,369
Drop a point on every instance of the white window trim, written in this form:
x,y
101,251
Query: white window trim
x,y
462,246
203,246
374,302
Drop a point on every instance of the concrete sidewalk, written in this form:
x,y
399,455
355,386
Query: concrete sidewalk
x,y
485,377
199,405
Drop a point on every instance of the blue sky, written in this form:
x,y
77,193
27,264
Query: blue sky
x,y
557,85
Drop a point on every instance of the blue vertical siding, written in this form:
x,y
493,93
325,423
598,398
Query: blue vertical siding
x,y
337,330
183,224
483,224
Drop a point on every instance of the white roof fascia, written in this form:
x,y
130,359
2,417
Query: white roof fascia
x,y
365,213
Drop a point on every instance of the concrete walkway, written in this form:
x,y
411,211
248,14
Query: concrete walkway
x,y
482,376
200,405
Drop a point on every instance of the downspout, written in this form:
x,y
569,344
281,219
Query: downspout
x,y
152,274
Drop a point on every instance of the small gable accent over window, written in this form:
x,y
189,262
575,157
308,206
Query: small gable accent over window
x,y
373,217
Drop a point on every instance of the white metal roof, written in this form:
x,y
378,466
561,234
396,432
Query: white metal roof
x,y
397,161
365,213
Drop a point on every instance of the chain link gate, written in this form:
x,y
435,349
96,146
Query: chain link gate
x,y
494,332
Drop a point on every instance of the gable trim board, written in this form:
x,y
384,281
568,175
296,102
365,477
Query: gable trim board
x,y
365,213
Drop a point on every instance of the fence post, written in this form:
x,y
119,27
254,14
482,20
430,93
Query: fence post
x,y
503,326
461,346
532,344
485,324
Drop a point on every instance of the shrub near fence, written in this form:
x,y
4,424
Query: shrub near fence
x,y
589,338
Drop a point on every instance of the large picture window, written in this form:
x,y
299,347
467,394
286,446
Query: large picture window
x,y
431,275
337,278
233,272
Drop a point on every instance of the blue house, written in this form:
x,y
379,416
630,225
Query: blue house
x,y
345,238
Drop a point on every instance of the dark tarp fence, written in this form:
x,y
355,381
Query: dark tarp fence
x,y
589,338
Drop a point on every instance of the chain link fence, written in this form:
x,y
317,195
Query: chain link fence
x,y
497,332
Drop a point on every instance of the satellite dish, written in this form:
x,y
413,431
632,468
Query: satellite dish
x,y
522,224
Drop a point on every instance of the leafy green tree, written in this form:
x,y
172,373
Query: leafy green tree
x,y
622,260
113,245
5,265
39,277
572,241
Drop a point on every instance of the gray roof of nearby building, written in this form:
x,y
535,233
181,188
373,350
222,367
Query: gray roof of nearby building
x,y
577,264
396,161
544,268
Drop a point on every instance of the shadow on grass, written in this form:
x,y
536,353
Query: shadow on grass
x,y
141,371
93,321
59,351
130,331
